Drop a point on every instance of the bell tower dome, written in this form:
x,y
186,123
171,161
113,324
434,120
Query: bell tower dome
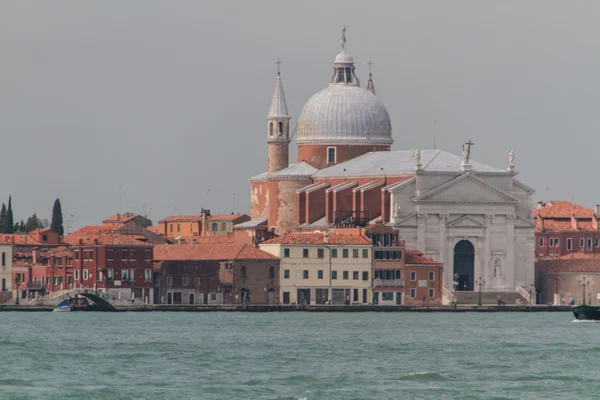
x,y
278,129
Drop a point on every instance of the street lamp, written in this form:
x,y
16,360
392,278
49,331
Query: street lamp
x,y
479,282
18,283
583,283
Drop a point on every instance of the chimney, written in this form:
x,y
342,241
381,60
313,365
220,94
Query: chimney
x,y
574,222
96,242
35,253
596,209
326,238
541,222
540,204
595,221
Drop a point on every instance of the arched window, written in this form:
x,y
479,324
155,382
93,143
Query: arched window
x,y
280,127
3,259
243,272
271,272
270,129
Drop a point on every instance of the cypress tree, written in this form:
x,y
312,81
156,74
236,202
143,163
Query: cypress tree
x,y
57,218
9,224
2,217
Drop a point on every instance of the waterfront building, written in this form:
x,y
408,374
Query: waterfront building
x,y
424,279
474,218
225,273
203,224
320,267
565,228
388,264
6,264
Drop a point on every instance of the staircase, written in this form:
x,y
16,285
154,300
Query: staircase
x,y
489,298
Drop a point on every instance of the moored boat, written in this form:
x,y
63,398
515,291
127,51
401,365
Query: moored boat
x,y
77,303
587,313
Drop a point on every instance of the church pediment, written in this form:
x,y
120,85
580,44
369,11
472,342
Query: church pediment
x,y
467,188
521,222
408,220
465,221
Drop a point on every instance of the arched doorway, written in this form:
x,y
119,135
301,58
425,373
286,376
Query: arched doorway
x,y
464,265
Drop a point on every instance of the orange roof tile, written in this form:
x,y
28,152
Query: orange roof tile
x,y
113,239
416,257
198,218
318,239
120,218
205,239
155,229
21,239
562,209
208,252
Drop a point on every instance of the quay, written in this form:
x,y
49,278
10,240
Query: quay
x,y
309,308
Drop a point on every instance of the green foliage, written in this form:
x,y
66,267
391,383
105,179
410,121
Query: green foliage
x,y
8,225
57,218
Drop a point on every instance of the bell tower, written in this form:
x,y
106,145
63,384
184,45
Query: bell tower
x,y
278,129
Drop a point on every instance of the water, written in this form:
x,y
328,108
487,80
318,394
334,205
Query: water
x,y
298,356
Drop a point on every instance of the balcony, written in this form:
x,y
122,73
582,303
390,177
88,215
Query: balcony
x,y
388,282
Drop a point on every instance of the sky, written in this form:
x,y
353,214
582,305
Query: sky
x,y
158,107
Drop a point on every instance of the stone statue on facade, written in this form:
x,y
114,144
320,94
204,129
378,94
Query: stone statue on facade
x,y
397,210
343,39
510,156
416,153
497,268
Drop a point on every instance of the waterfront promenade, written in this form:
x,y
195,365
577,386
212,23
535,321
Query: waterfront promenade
x,y
310,308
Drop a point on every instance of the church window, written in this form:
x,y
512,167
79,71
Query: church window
x,y
570,244
270,129
541,242
431,275
431,293
280,128
331,155
413,276
413,293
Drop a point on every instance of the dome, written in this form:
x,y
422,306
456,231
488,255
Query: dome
x,y
344,114
343,58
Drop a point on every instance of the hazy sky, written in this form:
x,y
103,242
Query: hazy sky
x,y
169,98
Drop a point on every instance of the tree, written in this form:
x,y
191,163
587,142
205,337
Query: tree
x,y
2,217
57,218
8,225
32,223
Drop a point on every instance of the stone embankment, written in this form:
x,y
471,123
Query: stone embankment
x,y
313,308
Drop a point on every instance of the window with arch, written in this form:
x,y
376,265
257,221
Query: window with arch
x,y
3,259
243,272
280,128
270,129
271,272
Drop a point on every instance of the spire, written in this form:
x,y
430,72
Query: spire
x,y
370,84
278,104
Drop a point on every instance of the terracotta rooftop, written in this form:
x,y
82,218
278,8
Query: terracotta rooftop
x,y
22,239
198,218
113,239
574,262
562,209
209,252
318,238
120,218
416,257
204,239
155,229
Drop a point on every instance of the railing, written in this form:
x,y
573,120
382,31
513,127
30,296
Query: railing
x,y
388,282
447,296
524,293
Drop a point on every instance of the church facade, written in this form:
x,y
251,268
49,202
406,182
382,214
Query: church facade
x,y
474,218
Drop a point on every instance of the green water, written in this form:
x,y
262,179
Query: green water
x,y
298,356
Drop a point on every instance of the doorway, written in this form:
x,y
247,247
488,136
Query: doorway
x,y
192,298
169,297
464,265
303,297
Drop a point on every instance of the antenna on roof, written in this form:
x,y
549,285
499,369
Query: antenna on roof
x,y
233,205
434,142
120,197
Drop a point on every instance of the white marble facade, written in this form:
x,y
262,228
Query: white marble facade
x,y
434,210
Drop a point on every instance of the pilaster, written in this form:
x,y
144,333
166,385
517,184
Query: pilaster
x,y
509,283
487,273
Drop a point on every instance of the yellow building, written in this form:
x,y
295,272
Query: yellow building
x,y
6,257
205,224
320,268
